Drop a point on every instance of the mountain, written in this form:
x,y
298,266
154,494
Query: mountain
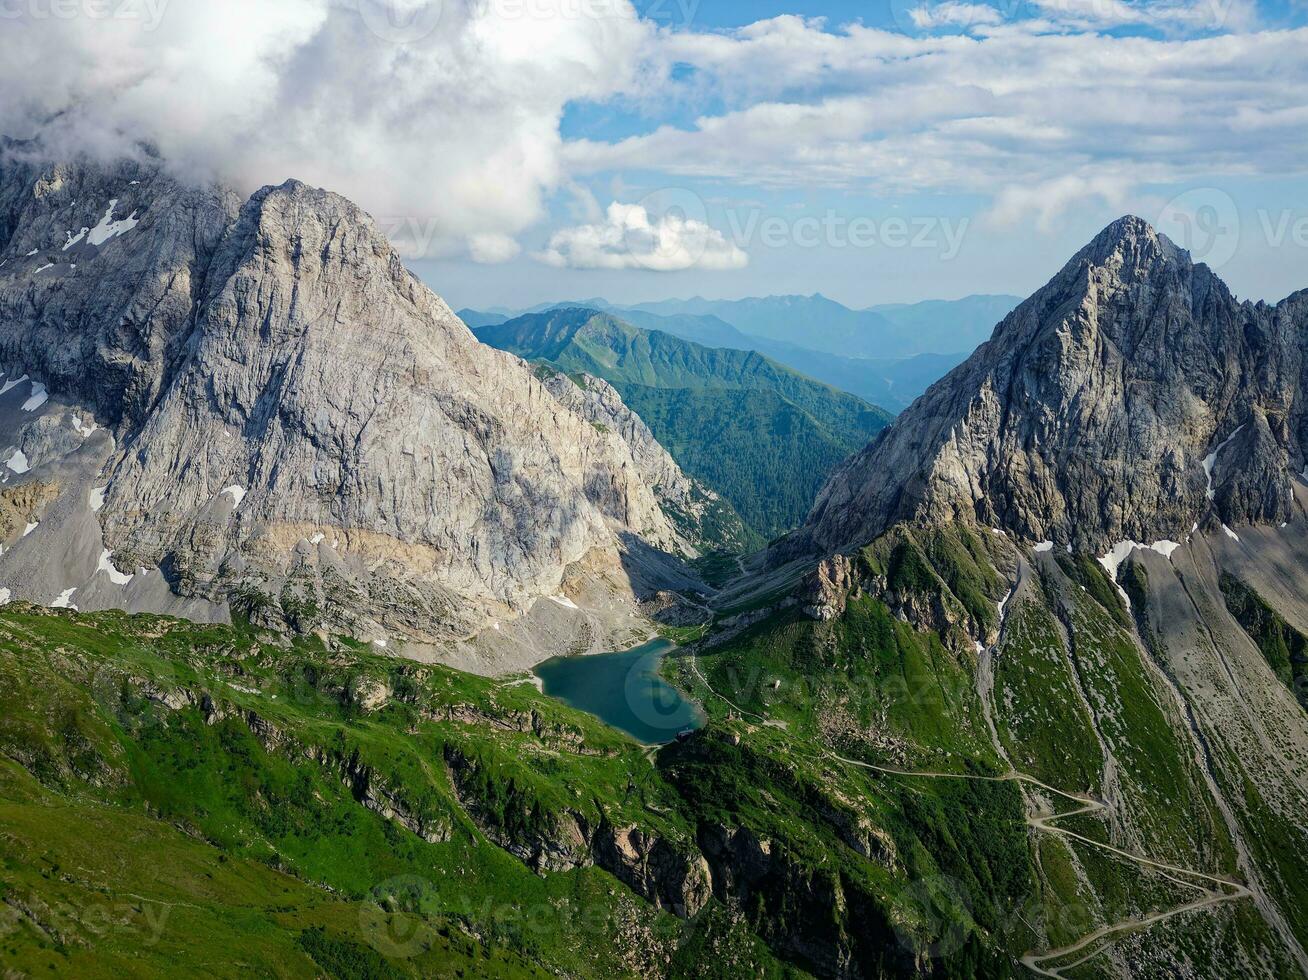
x,y
1110,406
940,326
1075,568
215,405
821,324
940,334
474,318
761,435
708,331
935,745
888,382
699,513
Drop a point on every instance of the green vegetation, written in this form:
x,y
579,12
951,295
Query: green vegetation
x,y
1090,575
1042,721
1284,647
293,790
763,436
304,809
326,811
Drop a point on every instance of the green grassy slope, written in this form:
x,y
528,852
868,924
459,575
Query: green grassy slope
x,y
1075,704
846,811
760,434
333,812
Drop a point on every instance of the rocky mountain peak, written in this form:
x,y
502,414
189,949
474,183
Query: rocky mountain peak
x,y
255,402
1111,405
1131,242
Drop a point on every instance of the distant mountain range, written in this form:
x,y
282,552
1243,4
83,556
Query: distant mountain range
x,y
887,355
762,435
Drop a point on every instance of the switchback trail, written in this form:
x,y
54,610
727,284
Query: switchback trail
x,y
1226,890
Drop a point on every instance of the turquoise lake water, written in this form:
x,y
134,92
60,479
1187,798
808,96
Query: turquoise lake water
x,y
624,690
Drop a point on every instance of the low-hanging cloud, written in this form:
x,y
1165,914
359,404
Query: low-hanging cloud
x,y
630,237
440,116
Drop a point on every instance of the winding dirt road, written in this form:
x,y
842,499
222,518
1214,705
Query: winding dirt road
x,y
1042,962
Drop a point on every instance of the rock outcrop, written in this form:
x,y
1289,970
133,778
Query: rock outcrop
x,y
262,406
1131,398
698,513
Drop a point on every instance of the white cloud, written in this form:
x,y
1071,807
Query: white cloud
x,y
1048,200
491,249
1162,15
629,238
954,14
999,115
450,121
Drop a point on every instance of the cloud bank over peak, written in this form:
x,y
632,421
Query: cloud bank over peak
x,y
456,102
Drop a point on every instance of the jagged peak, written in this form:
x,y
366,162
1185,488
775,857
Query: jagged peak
x,y
1131,241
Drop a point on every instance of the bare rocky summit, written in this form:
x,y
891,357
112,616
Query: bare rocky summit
x,y
1131,398
255,405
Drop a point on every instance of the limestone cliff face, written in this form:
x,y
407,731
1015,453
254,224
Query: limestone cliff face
x,y
1129,399
289,416
698,513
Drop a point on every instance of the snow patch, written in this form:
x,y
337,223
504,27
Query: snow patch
x,y
317,538
564,601
31,253
379,643
30,528
38,397
81,429
1004,602
1119,552
1044,546
17,381
48,265
97,498
74,239
5,596
65,600
17,462
106,566
1230,534
1211,460
236,492
108,228
1116,555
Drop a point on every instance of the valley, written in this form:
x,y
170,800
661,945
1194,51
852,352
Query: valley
x,y
575,647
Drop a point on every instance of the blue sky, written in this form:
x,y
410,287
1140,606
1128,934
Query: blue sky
x,y
1212,167
526,150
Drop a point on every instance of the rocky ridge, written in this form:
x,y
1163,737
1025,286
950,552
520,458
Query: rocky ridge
x,y
1111,406
254,403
